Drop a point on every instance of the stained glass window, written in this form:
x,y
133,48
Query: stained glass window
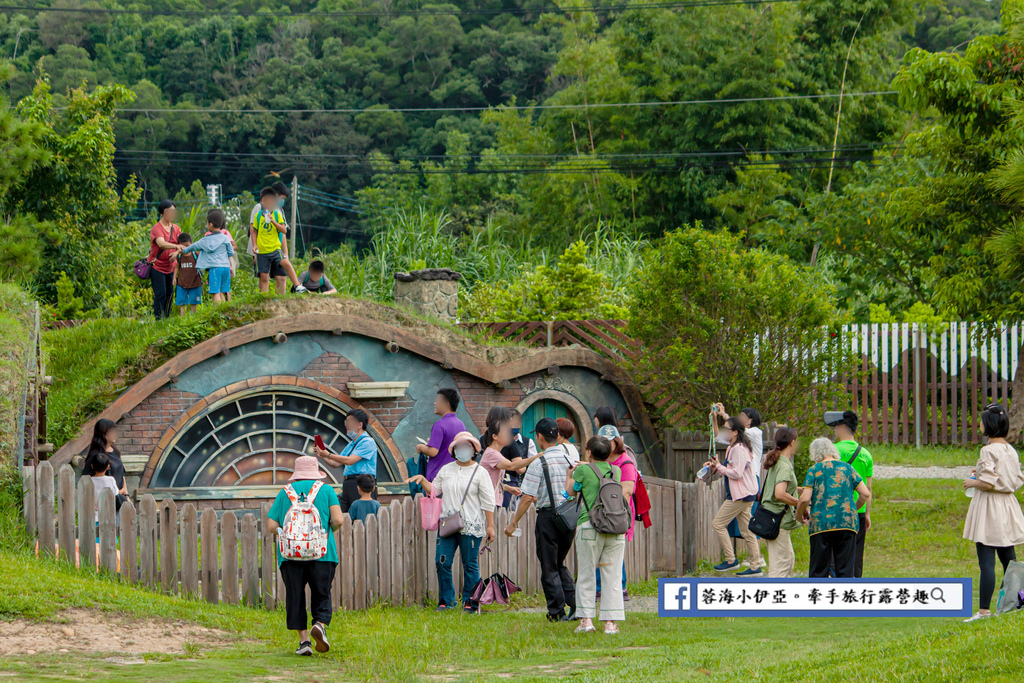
x,y
253,438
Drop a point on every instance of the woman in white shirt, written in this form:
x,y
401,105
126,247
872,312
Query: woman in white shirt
x,y
994,519
466,489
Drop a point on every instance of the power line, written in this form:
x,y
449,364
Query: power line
x,y
391,13
489,156
515,107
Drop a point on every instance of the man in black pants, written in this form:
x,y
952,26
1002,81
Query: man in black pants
x,y
860,459
544,481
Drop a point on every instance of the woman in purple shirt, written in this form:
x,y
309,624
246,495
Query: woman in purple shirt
x,y
441,435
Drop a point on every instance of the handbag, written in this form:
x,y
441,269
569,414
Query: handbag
x,y
430,511
567,514
452,524
764,522
142,269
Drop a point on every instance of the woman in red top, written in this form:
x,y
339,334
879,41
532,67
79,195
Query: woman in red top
x,y
163,249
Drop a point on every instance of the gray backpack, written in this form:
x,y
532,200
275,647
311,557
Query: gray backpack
x,y
610,514
1013,586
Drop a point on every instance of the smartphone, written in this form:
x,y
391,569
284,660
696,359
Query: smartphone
x,y
833,417
318,440
421,441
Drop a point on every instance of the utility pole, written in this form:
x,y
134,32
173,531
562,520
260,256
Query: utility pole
x,y
295,213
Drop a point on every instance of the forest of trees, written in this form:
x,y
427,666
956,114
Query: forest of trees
x,y
503,124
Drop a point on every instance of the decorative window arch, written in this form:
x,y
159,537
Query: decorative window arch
x,y
253,436
579,412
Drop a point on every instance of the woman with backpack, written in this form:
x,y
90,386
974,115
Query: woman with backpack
x,y
994,521
600,536
630,475
303,515
738,468
467,517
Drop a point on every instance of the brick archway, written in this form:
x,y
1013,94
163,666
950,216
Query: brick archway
x,y
265,383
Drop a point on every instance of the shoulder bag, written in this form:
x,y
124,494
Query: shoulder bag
x,y
452,524
764,522
567,513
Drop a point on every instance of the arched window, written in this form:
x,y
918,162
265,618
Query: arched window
x,y
252,439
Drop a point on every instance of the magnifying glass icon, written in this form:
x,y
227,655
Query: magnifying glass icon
x,y
938,595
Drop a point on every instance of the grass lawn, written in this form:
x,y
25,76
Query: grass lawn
x,y
916,532
928,456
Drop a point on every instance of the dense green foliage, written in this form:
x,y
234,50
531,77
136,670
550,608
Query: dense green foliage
x,y
722,324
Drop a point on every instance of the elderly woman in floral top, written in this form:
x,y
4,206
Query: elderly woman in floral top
x,y
834,491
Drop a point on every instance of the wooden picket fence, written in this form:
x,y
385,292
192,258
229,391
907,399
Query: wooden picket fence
x,y
221,558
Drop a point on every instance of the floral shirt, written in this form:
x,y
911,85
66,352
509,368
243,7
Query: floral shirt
x,y
833,486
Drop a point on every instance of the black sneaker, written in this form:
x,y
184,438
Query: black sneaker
x,y
305,649
319,635
557,617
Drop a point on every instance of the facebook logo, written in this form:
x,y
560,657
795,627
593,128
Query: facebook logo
x,y
673,597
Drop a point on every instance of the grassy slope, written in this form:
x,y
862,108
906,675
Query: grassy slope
x,y
16,320
916,533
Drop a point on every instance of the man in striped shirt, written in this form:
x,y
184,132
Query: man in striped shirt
x,y
553,543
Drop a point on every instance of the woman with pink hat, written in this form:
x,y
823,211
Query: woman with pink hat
x,y
467,516
304,486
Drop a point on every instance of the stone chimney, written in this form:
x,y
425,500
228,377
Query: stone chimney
x,y
431,291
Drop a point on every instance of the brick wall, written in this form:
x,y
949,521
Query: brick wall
x,y
142,428
479,396
336,371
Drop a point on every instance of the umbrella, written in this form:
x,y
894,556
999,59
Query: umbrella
x,y
496,588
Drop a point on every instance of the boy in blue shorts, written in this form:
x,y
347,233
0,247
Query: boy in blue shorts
x,y
188,281
215,252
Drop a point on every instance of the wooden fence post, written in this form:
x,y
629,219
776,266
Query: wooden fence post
x,y
346,564
397,559
209,556
409,544
229,557
148,542
169,547
676,539
108,531
129,539
28,497
44,509
189,552
359,565
66,513
372,571
86,523
384,554
268,560
251,563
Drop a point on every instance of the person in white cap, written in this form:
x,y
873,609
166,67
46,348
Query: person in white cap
x,y
465,490
315,572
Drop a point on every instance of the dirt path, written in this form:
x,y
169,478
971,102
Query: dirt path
x,y
97,631
904,472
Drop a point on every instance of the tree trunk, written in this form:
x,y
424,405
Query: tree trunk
x,y
1017,391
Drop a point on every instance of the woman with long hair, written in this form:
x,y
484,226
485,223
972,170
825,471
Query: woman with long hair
x,y
738,468
607,426
104,439
780,495
497,437
994,520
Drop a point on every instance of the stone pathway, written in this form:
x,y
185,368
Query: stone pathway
x,y
904,472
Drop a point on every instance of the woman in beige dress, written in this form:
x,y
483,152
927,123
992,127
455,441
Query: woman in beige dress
x,y
994,520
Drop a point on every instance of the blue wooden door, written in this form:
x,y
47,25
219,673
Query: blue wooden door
x,y
548,408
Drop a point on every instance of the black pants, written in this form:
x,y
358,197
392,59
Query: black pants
x,y
858,559
163,293
296,576
987,562
350,492
828,547
552,547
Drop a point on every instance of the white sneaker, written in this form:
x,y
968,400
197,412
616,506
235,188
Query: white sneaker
x,y
586,626
745,564
977,616
610,628
299,289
